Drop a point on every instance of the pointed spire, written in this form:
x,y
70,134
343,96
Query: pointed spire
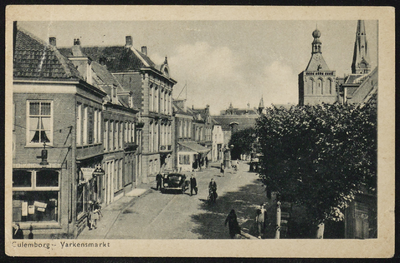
x,y
361,62
261,105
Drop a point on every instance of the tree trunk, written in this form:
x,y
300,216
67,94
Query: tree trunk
x,y
320,231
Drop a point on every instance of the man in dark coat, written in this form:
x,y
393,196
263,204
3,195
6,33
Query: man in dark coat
x,y
159,179
212,187
193,185
17,232
234,227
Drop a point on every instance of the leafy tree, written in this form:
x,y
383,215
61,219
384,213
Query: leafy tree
x,y
243,142
319,156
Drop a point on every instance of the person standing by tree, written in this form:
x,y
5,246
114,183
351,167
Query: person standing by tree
x,y
193,185
234,227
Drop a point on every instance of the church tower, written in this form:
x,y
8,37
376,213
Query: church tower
x,y
261,106
361,63
317,83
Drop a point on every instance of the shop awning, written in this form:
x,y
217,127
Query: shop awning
x,y
195,147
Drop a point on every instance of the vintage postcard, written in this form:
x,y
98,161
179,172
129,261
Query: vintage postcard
x,y
199,131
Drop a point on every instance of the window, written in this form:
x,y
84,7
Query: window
x,y
35,195
156,99
121,135
127,131
40,122
85,125
151,98
132,132
106,135
79,124
90,125
116,141
184,159
151,137
95,126
111,136
99,126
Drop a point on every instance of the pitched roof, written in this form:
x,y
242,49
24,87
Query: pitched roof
x,y
244,121
116,58
317,63
35,59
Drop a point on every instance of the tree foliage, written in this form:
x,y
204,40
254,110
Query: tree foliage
x,y
243,142
319,156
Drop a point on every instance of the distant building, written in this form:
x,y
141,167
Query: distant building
x,y
317,83
190,144
217,141
234,119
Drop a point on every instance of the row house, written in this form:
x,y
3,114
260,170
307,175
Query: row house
x,y
188,152
120,136
151,86
54,140
217,141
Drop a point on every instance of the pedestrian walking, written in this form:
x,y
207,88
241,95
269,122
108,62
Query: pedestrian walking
x,y
93,216
206,162
222,169
233,224
193,185
261,219
212,189
17,232
159,179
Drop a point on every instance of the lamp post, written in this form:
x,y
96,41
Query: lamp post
x,y
43,155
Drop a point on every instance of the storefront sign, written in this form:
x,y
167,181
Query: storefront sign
x,y
87,173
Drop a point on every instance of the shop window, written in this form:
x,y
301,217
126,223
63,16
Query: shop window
x,y
22,178
40,122
184,159
47,178
35,195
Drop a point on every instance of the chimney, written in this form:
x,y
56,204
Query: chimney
x,y
52,41
77,42
128,41
144,50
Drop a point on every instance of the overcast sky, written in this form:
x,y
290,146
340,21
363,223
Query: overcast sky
x,y
223,62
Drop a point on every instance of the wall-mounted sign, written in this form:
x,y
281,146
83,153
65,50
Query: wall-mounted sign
x,y
87,173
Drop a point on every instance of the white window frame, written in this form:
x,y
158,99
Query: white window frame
x,y
85,125
34,188
79,124
50,135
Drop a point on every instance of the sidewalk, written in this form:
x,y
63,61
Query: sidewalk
x,y
112,211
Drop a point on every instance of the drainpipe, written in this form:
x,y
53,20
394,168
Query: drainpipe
x,y
72,191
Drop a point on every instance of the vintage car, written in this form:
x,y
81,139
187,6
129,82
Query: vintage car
x,y
175,181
